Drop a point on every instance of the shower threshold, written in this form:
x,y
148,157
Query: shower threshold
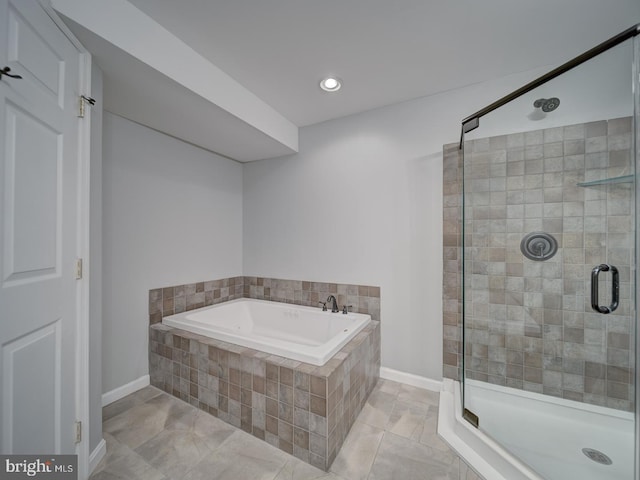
x,y
519,438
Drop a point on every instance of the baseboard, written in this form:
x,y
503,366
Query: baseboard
x,y
98,454
411,379
124,390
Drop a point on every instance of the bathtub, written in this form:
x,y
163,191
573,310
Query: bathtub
x,y
305,334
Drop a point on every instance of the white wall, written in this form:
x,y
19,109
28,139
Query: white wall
x,y
362,200
362,203
172,214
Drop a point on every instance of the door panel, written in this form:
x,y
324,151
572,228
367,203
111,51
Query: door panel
x,y
32,54
29,375
32,197
38,232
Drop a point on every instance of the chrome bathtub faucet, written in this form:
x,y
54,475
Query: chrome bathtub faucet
x,y
334,303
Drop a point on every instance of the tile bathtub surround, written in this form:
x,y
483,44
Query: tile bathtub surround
x,y
302,409
363,298
180,298
530,324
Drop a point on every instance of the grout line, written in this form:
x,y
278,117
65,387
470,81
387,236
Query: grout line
x,y
376,454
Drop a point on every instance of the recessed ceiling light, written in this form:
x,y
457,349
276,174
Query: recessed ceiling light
x,y
330,84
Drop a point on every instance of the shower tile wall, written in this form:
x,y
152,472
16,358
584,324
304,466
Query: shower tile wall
x,y
530,324
452,262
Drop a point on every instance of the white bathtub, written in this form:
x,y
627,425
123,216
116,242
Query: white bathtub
x,y
305,334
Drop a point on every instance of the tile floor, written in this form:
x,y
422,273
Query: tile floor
x,y
153,436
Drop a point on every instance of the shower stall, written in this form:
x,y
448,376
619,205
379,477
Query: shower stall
x,y
548,256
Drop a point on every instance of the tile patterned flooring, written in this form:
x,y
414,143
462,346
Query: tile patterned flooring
x,y
153,436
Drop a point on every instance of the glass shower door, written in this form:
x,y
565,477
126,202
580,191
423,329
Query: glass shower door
x,y
549,273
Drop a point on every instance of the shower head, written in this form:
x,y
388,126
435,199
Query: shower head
x,y
547,104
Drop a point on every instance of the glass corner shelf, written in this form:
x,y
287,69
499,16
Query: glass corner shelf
x,y
607,181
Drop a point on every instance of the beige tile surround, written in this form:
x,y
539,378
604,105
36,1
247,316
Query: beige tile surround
x,y
529,324
302,409
180,298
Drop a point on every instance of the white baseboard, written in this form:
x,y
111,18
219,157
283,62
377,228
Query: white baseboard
x,y
124,390
411,379
98,454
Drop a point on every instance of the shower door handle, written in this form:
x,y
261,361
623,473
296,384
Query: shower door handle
x,y
615,288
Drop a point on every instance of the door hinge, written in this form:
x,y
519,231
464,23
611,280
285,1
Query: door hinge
x,y
471,417
78,432
78,269
84,99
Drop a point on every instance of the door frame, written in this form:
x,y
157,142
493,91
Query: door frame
x,y
635,152
82,354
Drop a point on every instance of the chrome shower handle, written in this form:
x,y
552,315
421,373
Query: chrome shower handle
x,y
615,288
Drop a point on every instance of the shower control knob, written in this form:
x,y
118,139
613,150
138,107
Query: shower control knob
x,y
539,246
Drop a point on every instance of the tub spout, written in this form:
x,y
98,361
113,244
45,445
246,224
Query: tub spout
x,y
334,303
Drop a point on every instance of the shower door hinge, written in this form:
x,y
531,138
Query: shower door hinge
x,y
84,99
471,417
78,432
78,269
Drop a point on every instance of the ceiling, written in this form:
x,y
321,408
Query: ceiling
x,y
134,90
274,53
385,51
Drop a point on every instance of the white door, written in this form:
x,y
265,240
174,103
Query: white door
x,y
38,232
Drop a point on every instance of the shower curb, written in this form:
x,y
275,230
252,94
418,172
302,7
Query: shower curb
x,y
482,454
